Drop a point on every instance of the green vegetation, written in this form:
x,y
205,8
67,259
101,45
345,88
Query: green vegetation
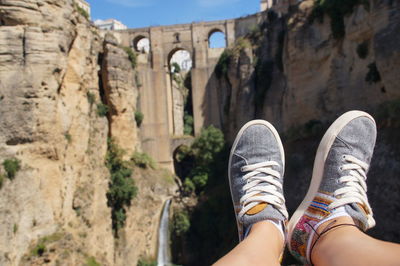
x,y
15,228
11,166
91,98
146,262
188,122
180,222
336,10
139,116
222,67
82,12
199,158
39,250
102,109
68,137
143,160
373,75
176,67
1,180
91,261
206,231
131,55
362,50
122,188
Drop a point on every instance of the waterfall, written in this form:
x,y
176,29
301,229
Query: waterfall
x,y
163,237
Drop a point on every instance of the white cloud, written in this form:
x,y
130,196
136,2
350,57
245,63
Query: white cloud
x,y
132,3
214,3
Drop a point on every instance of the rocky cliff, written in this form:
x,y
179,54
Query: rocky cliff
x,y
297,68
64,91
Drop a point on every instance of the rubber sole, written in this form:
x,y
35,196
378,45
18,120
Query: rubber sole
x,y
319,162
239,135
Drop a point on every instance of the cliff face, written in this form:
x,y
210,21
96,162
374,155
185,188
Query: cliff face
x,y
56,75
300,77
298,71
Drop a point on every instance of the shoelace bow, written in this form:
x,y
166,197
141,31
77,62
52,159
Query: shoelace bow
x,y
262,183
355,187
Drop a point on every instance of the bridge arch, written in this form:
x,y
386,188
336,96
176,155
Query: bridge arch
x,y
217,38
184,53
141,43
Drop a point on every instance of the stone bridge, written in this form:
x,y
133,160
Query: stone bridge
x,y
156,101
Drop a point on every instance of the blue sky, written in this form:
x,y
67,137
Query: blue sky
x,y
144,13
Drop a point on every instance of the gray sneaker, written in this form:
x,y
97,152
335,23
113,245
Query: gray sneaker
x,y
338,185
256,167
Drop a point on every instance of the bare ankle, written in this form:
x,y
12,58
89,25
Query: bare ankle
x,y
333,235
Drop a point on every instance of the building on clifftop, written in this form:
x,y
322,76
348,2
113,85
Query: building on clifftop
x,y
110,24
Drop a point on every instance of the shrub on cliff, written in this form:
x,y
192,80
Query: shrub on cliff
x,y
82,11
198,160
91,261
143,160
122,188
102,109
139,116
143,261
11,166
131,55
207,145
181,222
221,69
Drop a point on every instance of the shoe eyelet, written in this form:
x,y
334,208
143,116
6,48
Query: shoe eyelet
x,y
241,169
344,157
341,168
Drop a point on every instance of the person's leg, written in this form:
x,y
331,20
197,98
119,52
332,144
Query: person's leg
x,y
263,246
322,231
256,166
347,245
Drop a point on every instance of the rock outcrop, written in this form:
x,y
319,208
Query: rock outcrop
x,y
120,94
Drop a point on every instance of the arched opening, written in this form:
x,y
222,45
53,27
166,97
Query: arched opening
x,y
141,44
180,60
180,65
216,39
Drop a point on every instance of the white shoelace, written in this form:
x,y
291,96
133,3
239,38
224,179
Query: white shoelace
x,y
262,189
355,189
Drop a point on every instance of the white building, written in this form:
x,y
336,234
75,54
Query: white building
x,y
84,5
110,24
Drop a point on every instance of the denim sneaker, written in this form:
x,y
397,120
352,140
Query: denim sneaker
x,y
338,185
256,167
